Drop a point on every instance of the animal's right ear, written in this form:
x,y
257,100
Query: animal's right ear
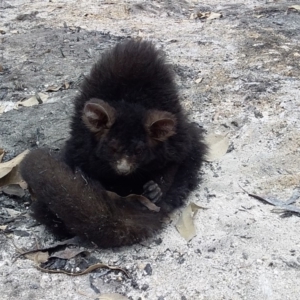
x,y
98,115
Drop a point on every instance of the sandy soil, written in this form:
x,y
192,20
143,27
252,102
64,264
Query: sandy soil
x,y
238,76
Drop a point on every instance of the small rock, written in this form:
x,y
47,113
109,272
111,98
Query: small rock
x,y
158,241
181,260
245,255
148,269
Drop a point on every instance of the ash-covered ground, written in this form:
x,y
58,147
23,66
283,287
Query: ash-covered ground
x,y
238,76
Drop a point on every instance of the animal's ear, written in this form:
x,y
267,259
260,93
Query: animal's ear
x,y
160,125
98,115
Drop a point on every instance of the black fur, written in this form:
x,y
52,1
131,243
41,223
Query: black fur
x,y
128,111
71,203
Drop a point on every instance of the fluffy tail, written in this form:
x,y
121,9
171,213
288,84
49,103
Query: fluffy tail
x,y
68,202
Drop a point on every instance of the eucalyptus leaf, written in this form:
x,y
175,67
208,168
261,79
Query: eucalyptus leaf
x,y
218,145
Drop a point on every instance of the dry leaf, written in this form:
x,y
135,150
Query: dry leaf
x,y
33,100
113,296
67,85
12,212
296,7
202,15
193,16
206,15
6,106
13,177
185,224
280,206
9,175
72,241
199,80
6,167
56,88
38,257
13,190
218,145
4,170
213,15
67,253
3,227
1,154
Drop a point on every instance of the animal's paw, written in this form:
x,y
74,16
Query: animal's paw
x,y
152,191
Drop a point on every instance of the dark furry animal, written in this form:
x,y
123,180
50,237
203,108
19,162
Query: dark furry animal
x,y
129,135
77,205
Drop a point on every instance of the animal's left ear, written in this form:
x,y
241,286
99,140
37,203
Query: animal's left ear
x,y
160,125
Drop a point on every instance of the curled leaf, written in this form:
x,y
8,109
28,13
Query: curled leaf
x,y
214,15
218,145
185,224
34,100
296,7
